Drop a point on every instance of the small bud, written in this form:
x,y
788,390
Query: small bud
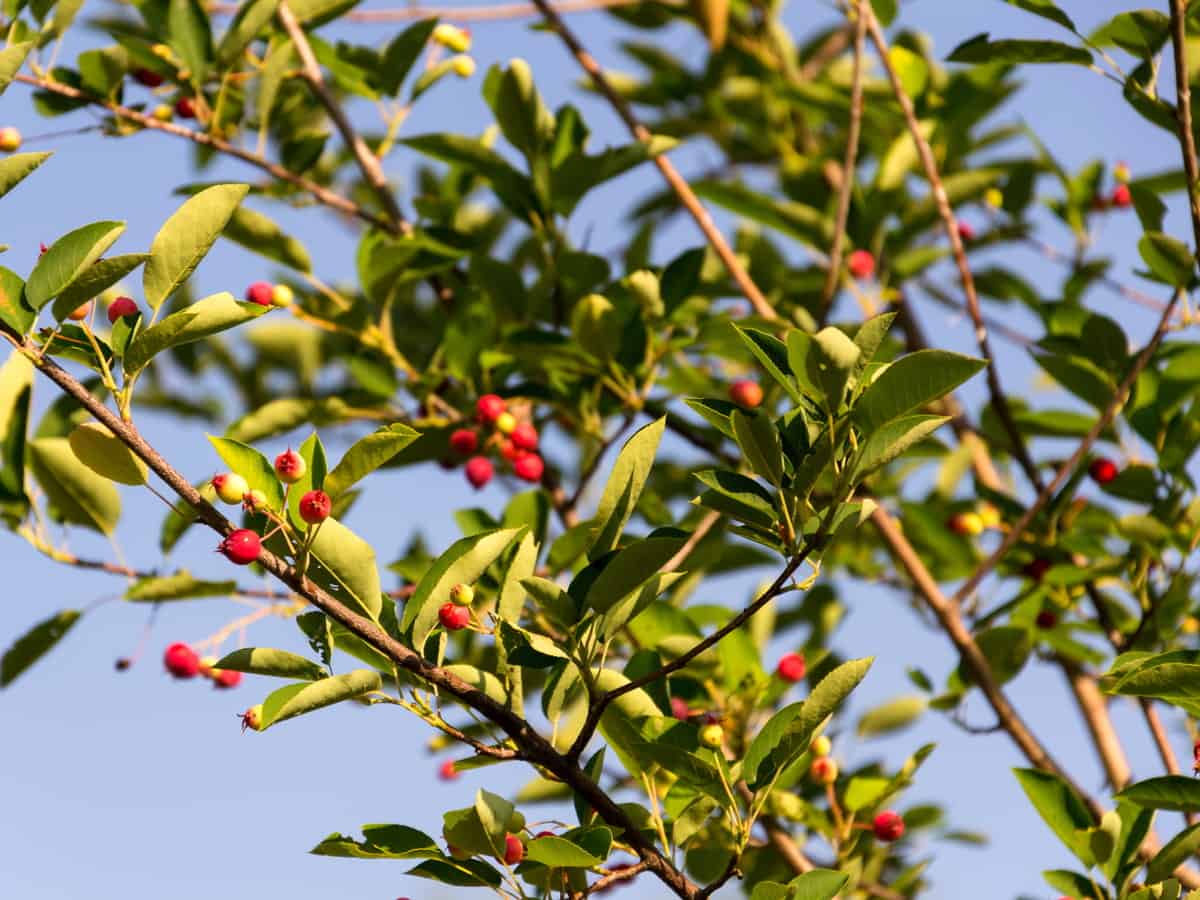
x,y
463,66
452,37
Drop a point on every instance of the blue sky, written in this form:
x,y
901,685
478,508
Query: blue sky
x,y
134,786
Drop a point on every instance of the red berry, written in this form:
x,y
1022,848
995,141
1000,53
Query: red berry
x,y
290,466
120,308
529,467
148,77
181,661
1102,470
1121,196
260,292
227,678
241,547
447,770
479,471
524,437
746,393
680,709
1036,568
185,108
509,450
888,826
1046,619
489,408
791,667
542,834
315,507
464,441
42,248
514,850
454,617
861,264
965,232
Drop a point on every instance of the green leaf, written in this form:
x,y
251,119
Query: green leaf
x,y
106,454
980,49
267,661
79,495
190,36
1169,259
465,562
298,699
911,382
367,455
1174,792
524,648
864,792
93,281
252,17
347,565
1177,851
892,716
738,495
16,390
402,53
1059,807
11,60
804,223
253,466
35,644
186,237
67,259
14,311
759,441
481,681
201,319
819,884
559,853
831,359
624,487
381,842
179,586
628,569
526,122
258,233
15,168
891,440
788,733
775,357
1046,10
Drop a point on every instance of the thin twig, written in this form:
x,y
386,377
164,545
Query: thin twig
x,y
1183,116
678,183
495,12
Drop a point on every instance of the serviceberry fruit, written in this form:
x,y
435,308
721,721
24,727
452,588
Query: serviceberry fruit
x,y
464,441
181,661
1103,470
746,393
489,408
290,466
888,826
791,667
524,437
462,594
479,471
514,850
10,140
861,264
824,770
315,507
230,487
260,292
185,108
454,617
120,308
529,467
241,547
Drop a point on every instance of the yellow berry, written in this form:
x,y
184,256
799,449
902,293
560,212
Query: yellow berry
x,y
463,66
994,198
1121,173
10,140
282,295
989,515
712,736
824,770
452,37
820,746
462,594
230,487
506,422
163,112
1190,625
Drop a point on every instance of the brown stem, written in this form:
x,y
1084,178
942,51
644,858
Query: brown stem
x,y
1183,116
1093,706
1163,743
950,224
677,182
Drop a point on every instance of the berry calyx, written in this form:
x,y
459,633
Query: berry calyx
x,y
680,709
861,264
1046,619
524,437
820,746
506,422
1103,470
10,139
489,408
791,667
462,594
120,308
746,393
226,678
282,295
454,617
315,507
824,770
81,313
290,466
965,232
447,770
230,487
529,467
968,524
147,77
1121,196
712,736
260,292
479,471
241,547
181,661
514,850
252,718
185,108
888,826
464,441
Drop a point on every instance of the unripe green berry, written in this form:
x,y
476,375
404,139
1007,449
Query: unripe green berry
x,y
463,595
820,746
230,487
712,736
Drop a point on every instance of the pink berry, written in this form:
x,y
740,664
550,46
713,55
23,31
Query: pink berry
x,y
861,264
260,292
479,471
524,437
454,617
965,232
241,547
746,393
226,678
791,667
315,507
1102,470
1121,196
888,826
290,466
181,661
514,850
120,308
447,770
489,408
680,709
185,108
464,441
529,467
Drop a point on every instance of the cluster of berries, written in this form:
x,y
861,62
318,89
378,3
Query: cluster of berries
x,y
243,545
515,441
1121,197
887,826
183,662
266,294
973,523
455,614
